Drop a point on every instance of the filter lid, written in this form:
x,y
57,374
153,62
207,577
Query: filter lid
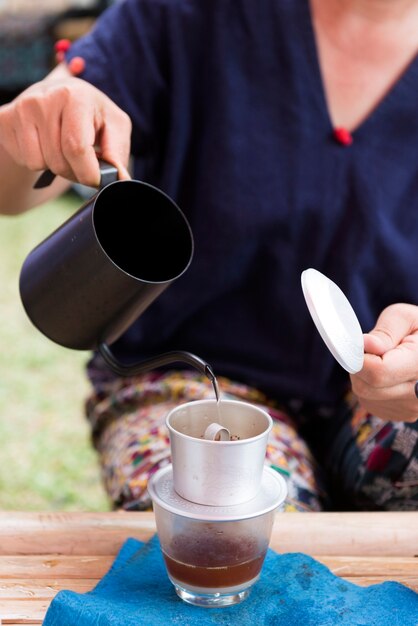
x,y
335,319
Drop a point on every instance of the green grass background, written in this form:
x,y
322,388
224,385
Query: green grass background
x,y
46,459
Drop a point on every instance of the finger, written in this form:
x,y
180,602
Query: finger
x,y
123,173
30,148
77,144
392,412
405,389
401,363
9,128
49,131
393,367
11,146
394,323
374,344
397,403
27,136
115,144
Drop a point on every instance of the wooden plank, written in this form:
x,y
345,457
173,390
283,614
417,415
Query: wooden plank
x,y
365,581
389,567
23,611
33,611
356,534
82,567
71,533
11,606
18,588
352,534
52,565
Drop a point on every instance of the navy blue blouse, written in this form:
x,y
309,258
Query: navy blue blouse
x,y
230,119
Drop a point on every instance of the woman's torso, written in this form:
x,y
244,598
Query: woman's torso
x,y
238,132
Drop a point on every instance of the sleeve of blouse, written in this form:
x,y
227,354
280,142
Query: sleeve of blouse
x,y
125,55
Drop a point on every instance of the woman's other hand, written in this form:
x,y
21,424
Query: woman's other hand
x,y
385,386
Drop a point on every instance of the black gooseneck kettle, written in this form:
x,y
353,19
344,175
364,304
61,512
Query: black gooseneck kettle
x,y
86,283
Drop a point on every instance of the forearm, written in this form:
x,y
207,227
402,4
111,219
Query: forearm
x,y
16,184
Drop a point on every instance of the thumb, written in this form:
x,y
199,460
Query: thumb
x,y
394,324
114,141
374,343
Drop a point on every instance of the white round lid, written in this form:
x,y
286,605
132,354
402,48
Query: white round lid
x,y
272,493
335,319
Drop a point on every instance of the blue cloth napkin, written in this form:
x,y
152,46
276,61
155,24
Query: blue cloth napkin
x,y
293,590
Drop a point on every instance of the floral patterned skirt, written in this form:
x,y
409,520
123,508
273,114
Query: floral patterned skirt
x,y
333,458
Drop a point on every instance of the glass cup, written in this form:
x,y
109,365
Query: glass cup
x,y
214,555
218,473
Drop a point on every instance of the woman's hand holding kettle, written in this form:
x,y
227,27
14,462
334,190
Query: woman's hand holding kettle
x,y
62,124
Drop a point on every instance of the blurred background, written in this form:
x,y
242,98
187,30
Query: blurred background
x,y
46,458
28,31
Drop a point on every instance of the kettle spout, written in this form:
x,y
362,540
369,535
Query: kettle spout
x,y
177,356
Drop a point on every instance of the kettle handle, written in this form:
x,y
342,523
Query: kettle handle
x,y
108,174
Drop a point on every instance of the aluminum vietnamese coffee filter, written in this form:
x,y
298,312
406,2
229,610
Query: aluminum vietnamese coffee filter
x,y
224,472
